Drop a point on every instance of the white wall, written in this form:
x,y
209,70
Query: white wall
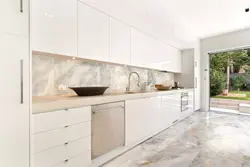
x,y
224,42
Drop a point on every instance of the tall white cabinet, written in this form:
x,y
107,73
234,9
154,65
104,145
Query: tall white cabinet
x,y
14,16
14,73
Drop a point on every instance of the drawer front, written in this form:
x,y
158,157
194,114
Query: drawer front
x,y
46,140
79,146
46,121
59,154
83,160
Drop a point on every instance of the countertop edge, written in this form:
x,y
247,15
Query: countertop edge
x,y
68,103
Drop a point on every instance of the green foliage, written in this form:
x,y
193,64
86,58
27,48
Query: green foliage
x,y
237,82
219,62
217,82
236,59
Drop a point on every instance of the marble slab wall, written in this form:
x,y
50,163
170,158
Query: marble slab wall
x,y
49,72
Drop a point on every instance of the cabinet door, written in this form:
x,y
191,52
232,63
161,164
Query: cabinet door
x,y
14,101
170,109
119,42
153,116
172,60
135,121
93,33
142,48
14,17
54,26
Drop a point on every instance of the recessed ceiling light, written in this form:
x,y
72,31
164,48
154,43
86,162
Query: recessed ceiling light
x,y
247,10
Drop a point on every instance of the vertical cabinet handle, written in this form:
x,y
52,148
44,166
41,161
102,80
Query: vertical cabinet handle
x,y
21,79
21,6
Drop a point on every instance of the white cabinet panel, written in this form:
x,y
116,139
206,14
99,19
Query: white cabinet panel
x,y
14,122
119,42
171,108
153,106
93,33
148,52
142,48
46,121
135,121
143,119
83,160
14,17
64,152
54,26
53,138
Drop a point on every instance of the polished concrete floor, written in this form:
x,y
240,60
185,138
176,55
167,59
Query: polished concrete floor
x,y
202,140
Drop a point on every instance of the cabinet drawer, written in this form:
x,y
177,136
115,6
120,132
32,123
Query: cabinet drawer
x,y
83,160
61,153
46,140
57,119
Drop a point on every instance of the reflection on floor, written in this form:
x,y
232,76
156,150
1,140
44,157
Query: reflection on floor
x,y
202,140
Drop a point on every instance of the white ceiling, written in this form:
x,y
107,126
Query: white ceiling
x,y
185,19
211,17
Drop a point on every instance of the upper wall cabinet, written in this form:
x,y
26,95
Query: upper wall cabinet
x,y
149,52
14,17
119,42
142,49
54,26
93,33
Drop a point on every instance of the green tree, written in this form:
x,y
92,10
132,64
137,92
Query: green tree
x,y
239,82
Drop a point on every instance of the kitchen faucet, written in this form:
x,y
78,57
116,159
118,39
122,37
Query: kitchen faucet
x,y
138,83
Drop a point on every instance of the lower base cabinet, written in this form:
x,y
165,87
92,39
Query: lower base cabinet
x,y
171,109
143,118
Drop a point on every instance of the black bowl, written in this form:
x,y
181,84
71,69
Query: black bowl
x,y
89,91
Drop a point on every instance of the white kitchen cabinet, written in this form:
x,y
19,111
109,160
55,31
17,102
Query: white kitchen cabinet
x,y
135,121
93,33
171,108
57,141
153,116
14,17
143,119
54,26
119,42
14,99
149,52
142,48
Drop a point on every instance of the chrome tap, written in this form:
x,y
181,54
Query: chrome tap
x,y
138,83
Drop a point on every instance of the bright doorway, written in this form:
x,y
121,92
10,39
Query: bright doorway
x,y
230,81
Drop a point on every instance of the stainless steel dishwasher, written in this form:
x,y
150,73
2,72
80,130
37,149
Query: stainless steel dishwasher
x,y
108,128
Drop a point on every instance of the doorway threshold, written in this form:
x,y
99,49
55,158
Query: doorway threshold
x,y
228,111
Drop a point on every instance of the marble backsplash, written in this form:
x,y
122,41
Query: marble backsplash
x,y
49,72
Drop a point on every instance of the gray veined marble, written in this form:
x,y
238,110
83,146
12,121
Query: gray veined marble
x,y
49,72
202,140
